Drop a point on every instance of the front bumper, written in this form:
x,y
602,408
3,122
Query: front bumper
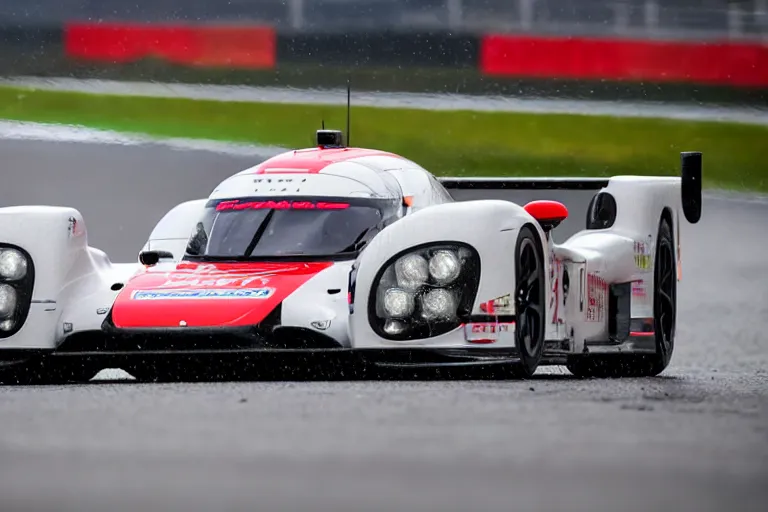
x,y
204,355
271,347
270,343
292,349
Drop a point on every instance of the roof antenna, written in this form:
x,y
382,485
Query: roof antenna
x,y
349,103
322,123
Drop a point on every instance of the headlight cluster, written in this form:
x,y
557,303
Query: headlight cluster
x,y
16,277
425,292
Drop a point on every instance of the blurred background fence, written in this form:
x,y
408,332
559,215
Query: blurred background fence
x,y
679,47
689,19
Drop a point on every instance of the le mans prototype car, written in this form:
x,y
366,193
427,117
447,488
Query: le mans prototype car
x,y
354,253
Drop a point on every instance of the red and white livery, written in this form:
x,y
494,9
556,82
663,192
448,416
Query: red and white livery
x,y
359,255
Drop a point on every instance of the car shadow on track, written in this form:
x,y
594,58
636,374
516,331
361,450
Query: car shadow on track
x,y
278,370
346,375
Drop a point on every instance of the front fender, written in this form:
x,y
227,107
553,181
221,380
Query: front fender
x,y
89,296
489,226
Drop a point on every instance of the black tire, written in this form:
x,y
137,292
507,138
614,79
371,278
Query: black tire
x,y
530,303
664,300
665,320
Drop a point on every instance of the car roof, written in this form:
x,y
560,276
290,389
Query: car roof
x,y
339,172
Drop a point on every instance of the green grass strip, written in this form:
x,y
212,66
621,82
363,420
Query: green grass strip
x,y
461,143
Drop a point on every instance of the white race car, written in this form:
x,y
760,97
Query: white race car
x,y
360,255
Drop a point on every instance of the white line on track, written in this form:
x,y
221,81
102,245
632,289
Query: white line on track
x,y
18,130
401,100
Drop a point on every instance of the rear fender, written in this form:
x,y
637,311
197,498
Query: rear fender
x,y
616,242
490,227
619,247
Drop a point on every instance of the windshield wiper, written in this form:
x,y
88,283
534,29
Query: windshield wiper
x,y
259,233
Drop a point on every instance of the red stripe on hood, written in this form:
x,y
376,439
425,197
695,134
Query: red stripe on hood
x,y
314,160
209,294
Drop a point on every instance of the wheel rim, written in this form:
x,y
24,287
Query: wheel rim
x,y
528,297
665,296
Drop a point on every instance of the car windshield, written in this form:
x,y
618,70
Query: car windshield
x,y
255,227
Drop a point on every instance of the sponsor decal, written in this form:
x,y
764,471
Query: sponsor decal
x,y
487,332
236,204
74,228
639,289
597,298
487,328
215,283
643,253
555,269
274,180
498,306
68,327
184,277
248,293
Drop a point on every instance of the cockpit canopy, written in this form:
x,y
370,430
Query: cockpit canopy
x,y
303,227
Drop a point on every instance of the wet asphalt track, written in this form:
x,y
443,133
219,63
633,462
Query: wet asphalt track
x,y
695,439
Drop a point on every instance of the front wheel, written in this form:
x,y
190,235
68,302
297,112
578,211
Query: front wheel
x,y
530,296
665,319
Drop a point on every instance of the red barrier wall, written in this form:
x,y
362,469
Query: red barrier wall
x,y
244,47
738,64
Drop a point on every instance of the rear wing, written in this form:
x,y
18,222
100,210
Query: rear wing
x,y
524,183
578,193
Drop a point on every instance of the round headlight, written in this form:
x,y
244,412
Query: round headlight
x,y
424,291
7,325
398,303
7,300
13,265
412,271
444,267
438,304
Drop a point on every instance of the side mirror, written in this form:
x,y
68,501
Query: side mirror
x,y
149,258
549,214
